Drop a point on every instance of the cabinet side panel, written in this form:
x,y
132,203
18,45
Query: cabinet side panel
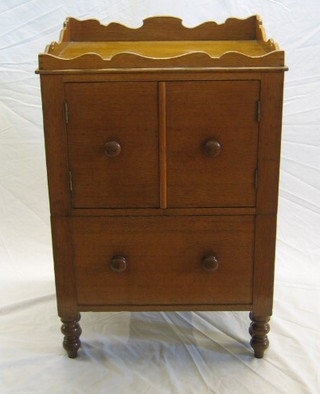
x,y
267,192
269,142
63,267
55,143
264,264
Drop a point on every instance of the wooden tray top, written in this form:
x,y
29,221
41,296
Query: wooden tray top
x,y
161,42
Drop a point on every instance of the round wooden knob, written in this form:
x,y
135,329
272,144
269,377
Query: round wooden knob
x,y
212,148
112,148
118,264
210,263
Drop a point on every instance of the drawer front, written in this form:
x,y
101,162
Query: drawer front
x,y
113,144
163,260
212,142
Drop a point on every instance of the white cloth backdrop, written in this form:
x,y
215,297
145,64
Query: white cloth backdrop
x,y
155,352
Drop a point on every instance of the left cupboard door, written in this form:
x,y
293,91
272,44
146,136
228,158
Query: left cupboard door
x,y
113,154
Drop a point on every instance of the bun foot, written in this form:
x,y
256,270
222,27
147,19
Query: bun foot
x,y
71,330
258,330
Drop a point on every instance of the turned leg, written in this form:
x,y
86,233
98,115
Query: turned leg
x,y
258,330
71,330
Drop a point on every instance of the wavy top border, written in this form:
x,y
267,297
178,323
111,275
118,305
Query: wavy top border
x,y
161,29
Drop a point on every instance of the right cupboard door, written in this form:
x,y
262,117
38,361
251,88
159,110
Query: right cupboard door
x,y
212,143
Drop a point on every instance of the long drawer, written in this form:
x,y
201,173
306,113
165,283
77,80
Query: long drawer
x,y
163,260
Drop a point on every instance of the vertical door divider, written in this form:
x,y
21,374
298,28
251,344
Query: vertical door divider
x,y
162,144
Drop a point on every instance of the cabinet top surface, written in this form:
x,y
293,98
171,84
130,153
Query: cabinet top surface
x,y
161,42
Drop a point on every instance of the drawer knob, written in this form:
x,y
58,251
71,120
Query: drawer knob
x,y
118,264
211,148
112,148
210,263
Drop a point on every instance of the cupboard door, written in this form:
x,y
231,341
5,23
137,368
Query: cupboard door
x,y
113,144
212,143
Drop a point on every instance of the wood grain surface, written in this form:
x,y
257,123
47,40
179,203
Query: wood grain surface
x,y
125,112
164,260
161,42
223,111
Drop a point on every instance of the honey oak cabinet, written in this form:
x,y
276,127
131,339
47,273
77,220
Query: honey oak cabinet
x,y
162,148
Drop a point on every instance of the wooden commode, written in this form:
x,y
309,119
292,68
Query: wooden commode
x,y
162,147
